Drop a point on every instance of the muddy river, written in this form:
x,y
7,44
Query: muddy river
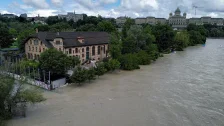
x,y
180,89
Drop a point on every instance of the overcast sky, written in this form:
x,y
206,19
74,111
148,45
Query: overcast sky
x,y
114,8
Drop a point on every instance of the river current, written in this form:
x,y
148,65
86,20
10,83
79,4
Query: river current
x,y
180,89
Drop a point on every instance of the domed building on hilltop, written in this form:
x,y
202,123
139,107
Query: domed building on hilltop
x,y
177,21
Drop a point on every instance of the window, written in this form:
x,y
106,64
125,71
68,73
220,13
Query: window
x,y
38,57
93,50
36,42
58,42
73,51
35,56
70,51
82,49
66,52
83,55
29,48
36,49
28,56
32,48
30,42
59,49
76,50
43,49
39,49
98,50
104,49
87,49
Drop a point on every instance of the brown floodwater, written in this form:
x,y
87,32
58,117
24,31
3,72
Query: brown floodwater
x,y
180,89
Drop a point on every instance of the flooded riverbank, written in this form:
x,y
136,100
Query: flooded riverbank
x,y
180,89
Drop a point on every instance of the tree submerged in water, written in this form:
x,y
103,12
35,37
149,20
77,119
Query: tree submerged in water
x,y
15,95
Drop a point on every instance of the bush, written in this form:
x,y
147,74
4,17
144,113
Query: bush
x,y
91,74
181,40
153,51
100,69
114,64
107,66
79,76
143,58
129,62
196,38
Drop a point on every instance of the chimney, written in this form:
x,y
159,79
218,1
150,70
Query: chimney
x,y
37,30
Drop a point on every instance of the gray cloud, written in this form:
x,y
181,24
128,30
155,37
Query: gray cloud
x,y
131,8
39,4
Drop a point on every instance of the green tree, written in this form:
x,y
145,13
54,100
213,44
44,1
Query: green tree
x,y
114,64
164,36
43,28
13,32
100,69
143,58
54,61
129,62
72,61
115,46
91,74
22,36
153,51
129,45
79,76
196,38
87,27
6,39
53,20
191,27
61,26
71,23
181,40
129,22
215,32
106,26
13,93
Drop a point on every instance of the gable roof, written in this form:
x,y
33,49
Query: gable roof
x,y
70,38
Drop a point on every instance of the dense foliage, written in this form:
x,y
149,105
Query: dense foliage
x,y
143,58
112,65
100,69
79,76
6,39
13,93
56,62
181,40
129,62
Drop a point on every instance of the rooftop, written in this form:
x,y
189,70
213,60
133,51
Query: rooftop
x,y
70,39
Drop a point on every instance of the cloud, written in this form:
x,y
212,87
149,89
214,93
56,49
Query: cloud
x,y
107,1
57,2
4,12
115,8
42,13
39,4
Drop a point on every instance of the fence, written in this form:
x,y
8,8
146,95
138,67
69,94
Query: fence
x,y
32,76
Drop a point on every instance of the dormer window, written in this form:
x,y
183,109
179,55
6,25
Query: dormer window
x,y
36,42
58,43
80,39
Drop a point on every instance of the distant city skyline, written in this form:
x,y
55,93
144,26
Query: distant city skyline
x,y
114,8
